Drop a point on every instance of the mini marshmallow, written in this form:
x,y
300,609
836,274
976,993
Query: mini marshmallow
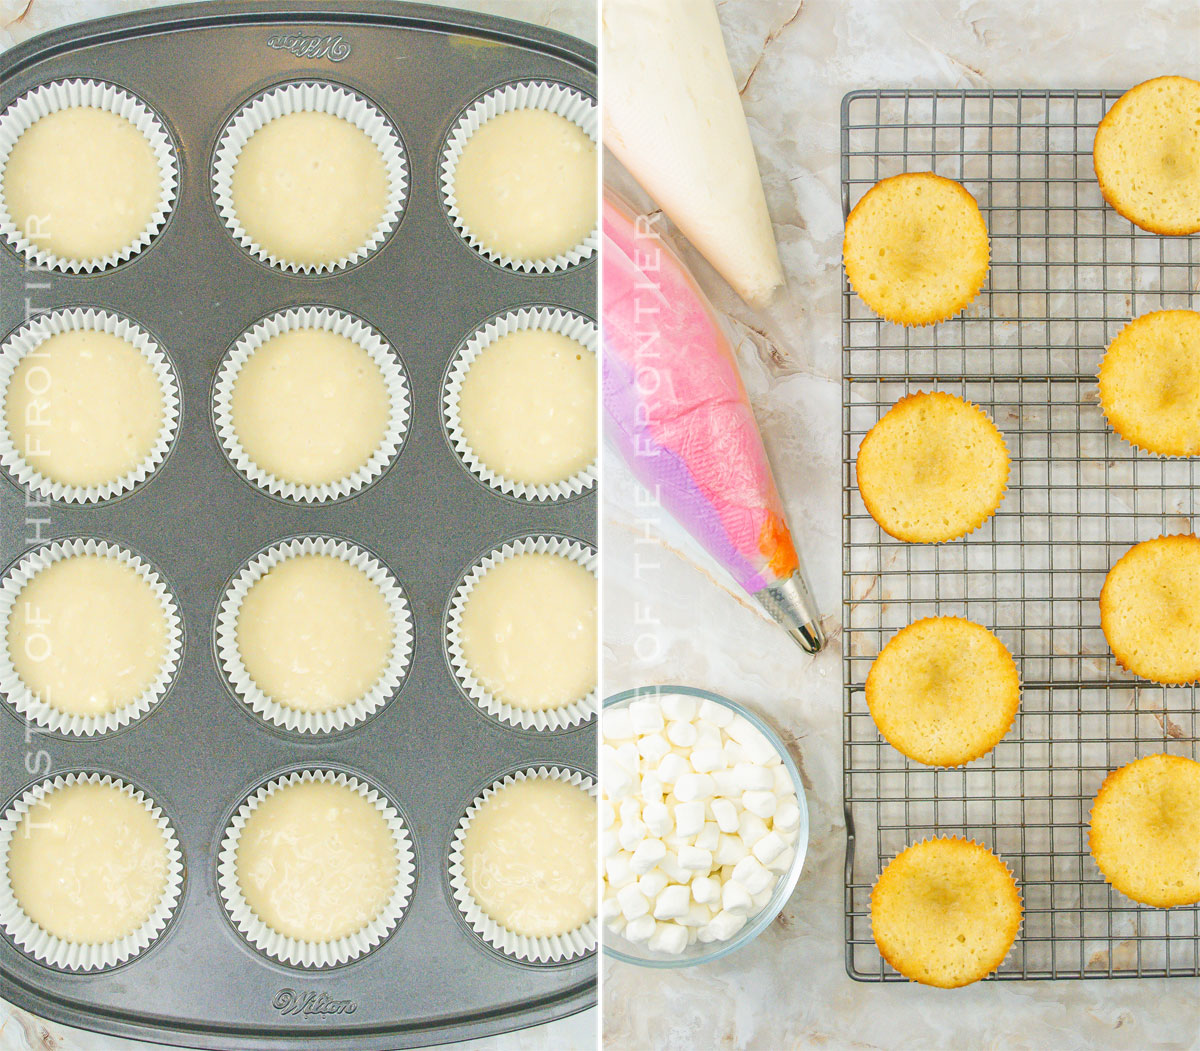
x,y
647,854
752,874
707,736
682,735
630,809
610,909
689,818
672,768
679,707
640,930
751,828
633,902
706,890
631,834
735,898
725,812
769,847
727,784
619,783
606,813
783,781
672,903
762,804
717,714
698,915
626,755
694,786
617,871
783,861
616,725
760,900
653,883
787,816
657,819
694,859
752,778
724,926
670,865
669,938
646,716
653,747
706,760
709,836
730,850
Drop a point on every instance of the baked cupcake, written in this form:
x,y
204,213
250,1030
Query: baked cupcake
x,y
1150,382
521,404
1145,830
932,469
1147,155
522,633
1150,609
316,868
916,248
945,912
523,865
943,691
93,871
88,175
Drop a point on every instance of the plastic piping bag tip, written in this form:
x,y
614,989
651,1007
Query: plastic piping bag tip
x,y
791,603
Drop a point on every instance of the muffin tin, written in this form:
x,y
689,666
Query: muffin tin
x,y
200,753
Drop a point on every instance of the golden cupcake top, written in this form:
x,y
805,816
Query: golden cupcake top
x,y
1144,831
1150,382
945,912
529,857
1150,609
933,468
916,248
1147,155
943,691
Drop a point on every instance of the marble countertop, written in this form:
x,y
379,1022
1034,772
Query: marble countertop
x,y
672,616
20,19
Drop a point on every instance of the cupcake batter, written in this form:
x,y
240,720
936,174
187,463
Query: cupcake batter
x,y
87,635
316,861
529,857
315,633
528,631
82,183
528,407
310,407
88,863
310,188
84,408
526,184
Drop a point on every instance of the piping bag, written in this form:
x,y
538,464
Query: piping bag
x,y
677,411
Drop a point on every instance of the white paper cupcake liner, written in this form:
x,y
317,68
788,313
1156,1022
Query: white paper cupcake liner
x,y
341,324
576,327
70,94
290,718
560,718
557,98
32,335
310,97
548,949
295,951
76,956
31,707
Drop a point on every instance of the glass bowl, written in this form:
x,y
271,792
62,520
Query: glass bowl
x,y
620,948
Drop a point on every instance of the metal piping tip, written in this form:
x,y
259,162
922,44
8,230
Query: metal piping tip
x,y
791,603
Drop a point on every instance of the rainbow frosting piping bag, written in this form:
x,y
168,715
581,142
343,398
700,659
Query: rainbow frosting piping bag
x,y
677,411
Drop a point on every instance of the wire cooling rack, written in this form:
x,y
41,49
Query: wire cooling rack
x,y
1066,274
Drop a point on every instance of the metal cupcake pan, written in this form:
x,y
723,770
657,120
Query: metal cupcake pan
x,y
200,753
